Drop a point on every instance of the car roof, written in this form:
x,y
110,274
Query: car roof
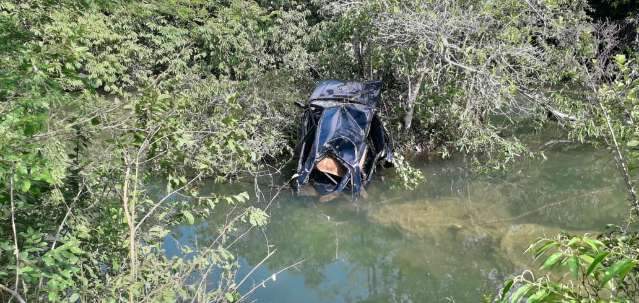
x,y
360,92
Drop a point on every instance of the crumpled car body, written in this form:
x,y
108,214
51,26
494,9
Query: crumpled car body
x,y
342,138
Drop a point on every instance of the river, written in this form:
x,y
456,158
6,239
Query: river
x,y
453,239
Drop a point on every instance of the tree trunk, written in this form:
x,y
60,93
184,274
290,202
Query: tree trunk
x,y
412,96
359,54
129,215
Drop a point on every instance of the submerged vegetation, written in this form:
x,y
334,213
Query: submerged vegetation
x,y
113,112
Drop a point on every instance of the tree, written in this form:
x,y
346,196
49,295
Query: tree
x,y
101,103
459,64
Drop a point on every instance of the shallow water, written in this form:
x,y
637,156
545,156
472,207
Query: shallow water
x,y
456,237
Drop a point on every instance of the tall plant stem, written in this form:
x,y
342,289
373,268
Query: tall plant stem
x,y
130,224
15,234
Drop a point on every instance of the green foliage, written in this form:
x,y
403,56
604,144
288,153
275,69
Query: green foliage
x,y
621,101
408,177
580,269
605,268
612,118
460,74
113,112
102,102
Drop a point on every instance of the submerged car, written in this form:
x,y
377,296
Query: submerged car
x,y
342,139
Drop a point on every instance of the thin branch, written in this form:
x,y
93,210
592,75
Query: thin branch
x,y
621,162
13,293
130,223
84,120
61,226
272,277
553,111
13,227
150,212
255,268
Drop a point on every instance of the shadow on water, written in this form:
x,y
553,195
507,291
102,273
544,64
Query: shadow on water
x,y
457,236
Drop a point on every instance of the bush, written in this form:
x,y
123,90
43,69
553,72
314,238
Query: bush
x,y
580,269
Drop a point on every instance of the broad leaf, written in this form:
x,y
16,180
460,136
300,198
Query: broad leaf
x,y
189,217
619,269
507,286
520,293
552,260
596,262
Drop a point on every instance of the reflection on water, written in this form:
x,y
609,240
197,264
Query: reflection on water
x,y
457,236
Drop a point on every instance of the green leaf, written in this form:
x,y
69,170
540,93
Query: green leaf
x,y
625,269
26,269
74,297
552,260
75,249
6,246
520,293
542,249
596,262
586,258
619,269
573,241
257,217
26,185
189,217
573,265
507,286
594,244
242,197
229,297
633,143
45,176
539,296
620,59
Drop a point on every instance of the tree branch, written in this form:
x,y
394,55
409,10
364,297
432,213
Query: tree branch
x,y
157,204
13,293
13,227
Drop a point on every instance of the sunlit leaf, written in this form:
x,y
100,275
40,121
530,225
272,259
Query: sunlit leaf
x,y
507,286
520,293
594,244
229,297
543,248
596,262
552,260
189,217
619,269
26,185
573,241
539,296
573,266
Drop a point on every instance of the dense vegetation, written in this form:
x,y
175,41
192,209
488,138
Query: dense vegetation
x,y
112,112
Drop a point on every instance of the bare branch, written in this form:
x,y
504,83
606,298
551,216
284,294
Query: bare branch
x,y
159,203
13,293
13,228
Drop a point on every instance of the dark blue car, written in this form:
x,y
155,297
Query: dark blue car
x,y
342,138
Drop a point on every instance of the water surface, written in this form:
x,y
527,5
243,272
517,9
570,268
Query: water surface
x,y
454,238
